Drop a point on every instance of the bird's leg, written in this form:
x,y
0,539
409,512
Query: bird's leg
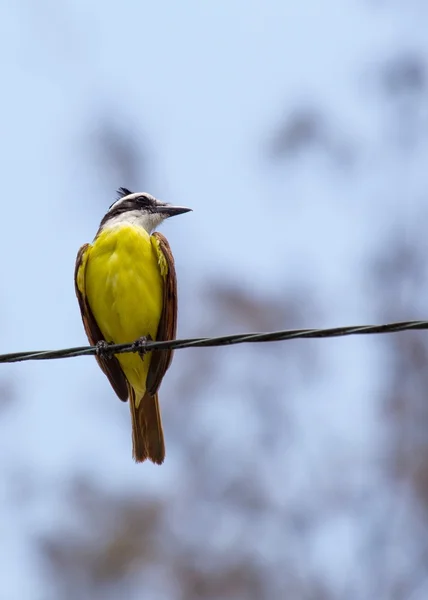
x,y
103,350
140,345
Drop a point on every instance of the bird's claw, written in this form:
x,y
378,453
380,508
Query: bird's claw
x,y
103,350
140,345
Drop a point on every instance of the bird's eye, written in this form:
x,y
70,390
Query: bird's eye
x,y
146,202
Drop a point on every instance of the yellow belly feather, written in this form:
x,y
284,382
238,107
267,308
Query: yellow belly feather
x,y
124,288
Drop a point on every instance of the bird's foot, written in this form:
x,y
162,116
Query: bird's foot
x,y
140,345
104,350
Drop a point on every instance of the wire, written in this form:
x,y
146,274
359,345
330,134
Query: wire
x,y
225,340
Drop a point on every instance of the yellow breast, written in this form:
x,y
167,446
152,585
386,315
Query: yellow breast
x,y
124,287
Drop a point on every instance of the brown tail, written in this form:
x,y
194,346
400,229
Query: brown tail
x,y
147,434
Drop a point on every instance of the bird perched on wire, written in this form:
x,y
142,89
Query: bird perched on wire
x,y
126,286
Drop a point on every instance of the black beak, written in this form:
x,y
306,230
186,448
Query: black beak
x,y
172,211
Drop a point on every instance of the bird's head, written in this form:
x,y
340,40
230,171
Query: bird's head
x,y
140,209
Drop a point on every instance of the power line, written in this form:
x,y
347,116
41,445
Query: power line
x,y
225,340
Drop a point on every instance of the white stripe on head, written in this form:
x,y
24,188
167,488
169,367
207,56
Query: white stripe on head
x,y
131,197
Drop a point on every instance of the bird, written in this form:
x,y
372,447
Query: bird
x,y
126,287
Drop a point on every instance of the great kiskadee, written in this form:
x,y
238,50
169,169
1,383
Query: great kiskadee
x,y
127,290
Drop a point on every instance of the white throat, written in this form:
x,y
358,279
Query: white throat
x,y
138,218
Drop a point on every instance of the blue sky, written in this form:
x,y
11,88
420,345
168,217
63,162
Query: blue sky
x,y
204,84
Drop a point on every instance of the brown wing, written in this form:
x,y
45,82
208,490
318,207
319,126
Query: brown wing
x,y
161,360
110,366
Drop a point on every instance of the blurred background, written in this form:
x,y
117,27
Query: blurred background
x,y
297,131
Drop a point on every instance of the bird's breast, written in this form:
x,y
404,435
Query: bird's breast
x,y
124,285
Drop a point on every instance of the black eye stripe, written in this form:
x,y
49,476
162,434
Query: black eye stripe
x,y
123,204
145,201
